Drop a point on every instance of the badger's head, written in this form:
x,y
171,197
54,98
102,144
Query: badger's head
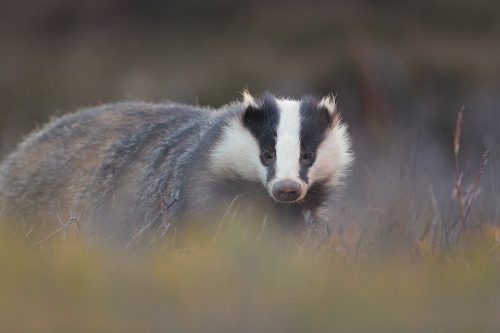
x,y
287,145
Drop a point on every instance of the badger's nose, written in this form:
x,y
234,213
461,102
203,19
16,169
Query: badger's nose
x,y
286,190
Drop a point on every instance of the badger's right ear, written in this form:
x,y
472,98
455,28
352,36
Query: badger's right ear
x,y
329,103
248,100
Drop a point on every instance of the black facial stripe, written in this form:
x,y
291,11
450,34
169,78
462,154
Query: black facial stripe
x,y
262,122
303,173
315,123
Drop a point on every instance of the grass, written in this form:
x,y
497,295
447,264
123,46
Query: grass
x,y
236,286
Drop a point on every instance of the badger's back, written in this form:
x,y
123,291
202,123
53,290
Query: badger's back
x,y
98,158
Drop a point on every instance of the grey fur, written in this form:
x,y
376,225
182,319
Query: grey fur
x,y
124,154
127,166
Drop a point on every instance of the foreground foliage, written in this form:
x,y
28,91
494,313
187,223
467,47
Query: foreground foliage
x,y
240,284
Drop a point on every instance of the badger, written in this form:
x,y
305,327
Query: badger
x,y
132,166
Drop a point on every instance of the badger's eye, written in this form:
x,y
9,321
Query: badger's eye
x,y
267,156
307,158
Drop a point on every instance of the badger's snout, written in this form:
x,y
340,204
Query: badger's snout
x,y
287,190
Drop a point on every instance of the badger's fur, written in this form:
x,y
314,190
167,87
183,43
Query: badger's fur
x,y
131,165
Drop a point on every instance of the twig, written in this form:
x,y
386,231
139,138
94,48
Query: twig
x,y
60,229
456,150
264,223
226,213
475,185
165,224
437,222
138,234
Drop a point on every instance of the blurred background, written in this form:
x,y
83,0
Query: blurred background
x,y
400,70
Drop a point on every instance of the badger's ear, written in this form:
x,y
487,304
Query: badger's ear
x,y
252,110
328,103
248,100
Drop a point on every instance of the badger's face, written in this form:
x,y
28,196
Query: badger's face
x,y
287,145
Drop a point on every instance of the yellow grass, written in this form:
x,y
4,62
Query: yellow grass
x,y
239,285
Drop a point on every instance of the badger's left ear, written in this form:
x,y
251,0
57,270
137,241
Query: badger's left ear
x,y
248,100
328,103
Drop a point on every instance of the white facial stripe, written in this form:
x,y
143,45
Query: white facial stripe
x,y
288,140
237,154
